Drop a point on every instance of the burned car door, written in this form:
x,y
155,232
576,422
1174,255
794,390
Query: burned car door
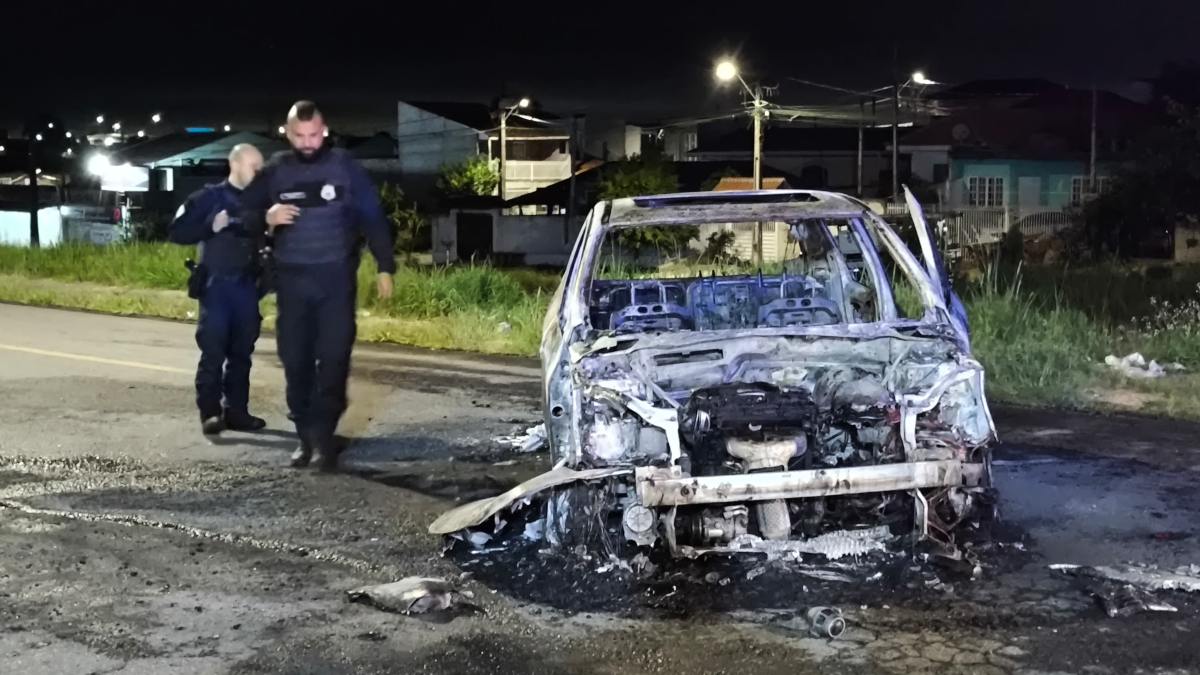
x,y
935,266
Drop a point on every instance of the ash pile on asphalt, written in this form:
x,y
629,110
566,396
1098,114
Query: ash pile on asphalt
x,y
580,581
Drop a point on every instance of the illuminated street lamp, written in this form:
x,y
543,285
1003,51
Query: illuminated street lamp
x,y
98,164
116,126
38,137
227,127
141,133
918,77
109,141
282,130
68,134
504,115
49,125
156,118
99,119
727,71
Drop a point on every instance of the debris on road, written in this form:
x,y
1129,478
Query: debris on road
x,y
1149,578
826,622
413,595
1127,600
832,545
1135,366
532,440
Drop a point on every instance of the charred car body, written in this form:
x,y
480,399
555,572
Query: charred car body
x,y
760,406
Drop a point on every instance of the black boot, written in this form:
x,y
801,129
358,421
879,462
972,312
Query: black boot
x,y
325,454
302,455
212,426
240,420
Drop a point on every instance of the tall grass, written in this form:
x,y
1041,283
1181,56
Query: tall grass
x,y
140,265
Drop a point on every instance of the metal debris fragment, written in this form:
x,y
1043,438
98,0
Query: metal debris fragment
x,y
1150,578
1127,600
533,439
832,545
412,595
826,622
1135,366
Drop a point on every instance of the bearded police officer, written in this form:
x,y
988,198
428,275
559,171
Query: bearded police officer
x,y
225,283
318,204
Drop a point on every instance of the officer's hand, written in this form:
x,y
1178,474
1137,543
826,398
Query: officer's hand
x,y
384,282
220,221
282,214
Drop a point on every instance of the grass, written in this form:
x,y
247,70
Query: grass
x,y
1042,334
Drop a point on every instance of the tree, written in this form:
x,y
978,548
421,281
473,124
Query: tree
x,y
474,177
1158,189
639,176
410,229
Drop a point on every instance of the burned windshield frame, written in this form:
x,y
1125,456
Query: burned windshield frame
x,y
825,290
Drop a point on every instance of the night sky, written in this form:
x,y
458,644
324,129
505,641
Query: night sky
x,y
214,62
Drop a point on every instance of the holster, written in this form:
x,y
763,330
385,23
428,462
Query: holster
x,y
264,272
197,279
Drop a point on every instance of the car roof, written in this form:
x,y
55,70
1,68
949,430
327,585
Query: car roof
x,y
732,206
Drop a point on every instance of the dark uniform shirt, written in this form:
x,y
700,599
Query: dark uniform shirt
x,y
228,252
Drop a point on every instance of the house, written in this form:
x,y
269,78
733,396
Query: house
x,y
539,227
1027,156
775,237
434,135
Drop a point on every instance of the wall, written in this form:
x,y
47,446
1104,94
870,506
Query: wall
x,y
1187,244
541,240
925,157
427,142
1054,177
14,227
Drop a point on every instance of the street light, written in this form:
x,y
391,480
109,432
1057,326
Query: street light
x,y
98,164
918,77
99,119
68,134
116,126
49,125
227,127
38,137
156,118
504,115
141,133
282,130
109,141
727,71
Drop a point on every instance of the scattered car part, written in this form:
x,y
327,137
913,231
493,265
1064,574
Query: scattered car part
x,y
411,595
1148,578
1127,600
826,622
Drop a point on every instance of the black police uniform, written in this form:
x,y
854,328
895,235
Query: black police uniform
x,y
229,321
316,264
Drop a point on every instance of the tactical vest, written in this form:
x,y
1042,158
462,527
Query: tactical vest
x,y
228,252
325,231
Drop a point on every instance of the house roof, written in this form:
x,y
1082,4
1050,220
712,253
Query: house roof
x,y
474,115
182,145
1007,87
742,183
798,139
1048,126
480,117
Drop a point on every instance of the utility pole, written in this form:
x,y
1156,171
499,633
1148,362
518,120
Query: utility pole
x,y
573,150
858,164
503,149
759,111
895,128
1092,158
34,235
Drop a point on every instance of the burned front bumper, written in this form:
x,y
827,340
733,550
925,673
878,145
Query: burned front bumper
x,y
668,487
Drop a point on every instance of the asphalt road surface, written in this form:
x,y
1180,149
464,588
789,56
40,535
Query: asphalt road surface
x,y
130,544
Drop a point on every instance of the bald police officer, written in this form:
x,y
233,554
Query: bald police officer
x,y
318,205
226,285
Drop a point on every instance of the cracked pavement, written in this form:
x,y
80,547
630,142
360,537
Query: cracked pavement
x,y
129,544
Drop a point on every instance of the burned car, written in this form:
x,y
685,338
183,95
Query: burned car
x,y
780,398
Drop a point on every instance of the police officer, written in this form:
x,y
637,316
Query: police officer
x,y
318,204
225,281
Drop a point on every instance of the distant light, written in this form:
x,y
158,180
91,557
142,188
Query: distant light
x,y
282,130
326,132
68,134
68,151
141,133
524,103
98,164
38,137
116,126
199,130
99,119
37,171
156,118
109,141
726,71
227,127
50,125
919,78
1,148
